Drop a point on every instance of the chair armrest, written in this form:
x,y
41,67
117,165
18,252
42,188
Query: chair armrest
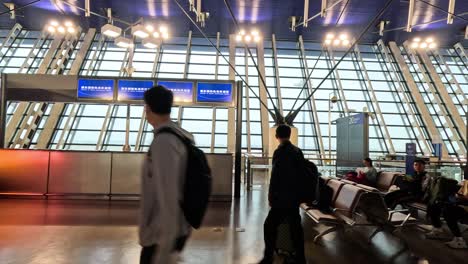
x,y
347,220
391,212
341,210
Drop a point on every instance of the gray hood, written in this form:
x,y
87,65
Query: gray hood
x,y
177,129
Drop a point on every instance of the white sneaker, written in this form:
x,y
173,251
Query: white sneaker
x,y
457,243
436,234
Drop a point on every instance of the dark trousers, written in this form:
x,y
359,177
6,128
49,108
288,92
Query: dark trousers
x,y
434,212
453,214
397,197
274,219
147,254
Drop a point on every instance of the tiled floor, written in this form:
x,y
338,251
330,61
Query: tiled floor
x,y
79,232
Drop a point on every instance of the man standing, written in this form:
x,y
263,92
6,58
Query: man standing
x,y
284,196
162,226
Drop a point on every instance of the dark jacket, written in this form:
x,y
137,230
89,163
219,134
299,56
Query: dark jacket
x,y
287,173
415,184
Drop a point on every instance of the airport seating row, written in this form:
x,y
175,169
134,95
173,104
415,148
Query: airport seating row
x,y
355,205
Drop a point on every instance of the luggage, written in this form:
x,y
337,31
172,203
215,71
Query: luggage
x,y
285,252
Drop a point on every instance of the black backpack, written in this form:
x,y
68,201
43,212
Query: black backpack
x,y
197,185
309,182
323,196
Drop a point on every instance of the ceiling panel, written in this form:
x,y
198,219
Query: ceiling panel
x,y
270,16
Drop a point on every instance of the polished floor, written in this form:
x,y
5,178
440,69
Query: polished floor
x,y
82,232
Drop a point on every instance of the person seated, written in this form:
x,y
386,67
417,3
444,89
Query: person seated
x,y
453,214
369,172
366,175
410,188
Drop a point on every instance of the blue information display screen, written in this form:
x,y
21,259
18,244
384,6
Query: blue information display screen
x,y
133,89
183,91
214,92
96,89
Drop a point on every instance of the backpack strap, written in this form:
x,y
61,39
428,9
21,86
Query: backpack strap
x,y
169,130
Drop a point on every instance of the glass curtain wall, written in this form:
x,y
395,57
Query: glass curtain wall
x,y
364,82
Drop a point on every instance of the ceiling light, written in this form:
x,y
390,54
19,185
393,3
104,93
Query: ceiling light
x,y
247,38
423,45
51,29
61,29
343,36
149,28
123,42
156,34
165,35
330,36
68,24
139,31
415,45
71,30
150,43
336,42
417,39
163,29
328,41
239,37
432,46
54,23
242,32
429,40
345,42
254,33
257,38
111,30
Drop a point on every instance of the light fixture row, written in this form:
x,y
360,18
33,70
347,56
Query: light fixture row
x,y
252,36
150,34
428,43
67,27
341,40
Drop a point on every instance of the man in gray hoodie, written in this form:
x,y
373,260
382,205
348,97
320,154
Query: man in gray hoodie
x,y
162,225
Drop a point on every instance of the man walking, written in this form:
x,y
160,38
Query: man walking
x,y
284,196
163,227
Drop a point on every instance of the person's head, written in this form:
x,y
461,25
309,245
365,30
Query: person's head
x,y
283,133
158,105
367,162
419,165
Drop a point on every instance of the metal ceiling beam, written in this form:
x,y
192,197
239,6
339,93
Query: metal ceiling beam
x,y
312,103
306,12
409,24
8,43
87,8
265,122
247,102
416,94
277,75
231,135
199,14
397,82
318,14
323,10
57,109
451,11
447,100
